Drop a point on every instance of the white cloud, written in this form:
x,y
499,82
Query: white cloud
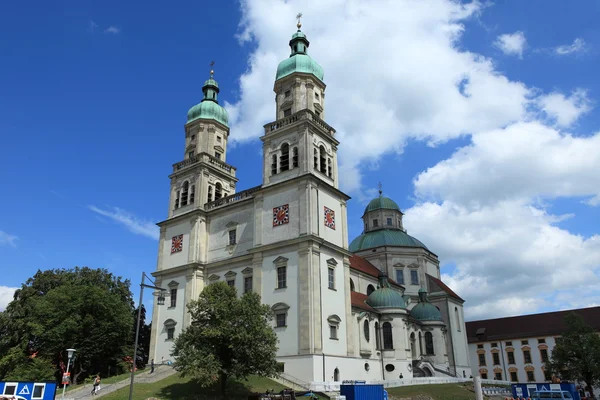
x,y
112,29
416,83
565,110
396,70
8,239
523,161
510,256
578,46
131,222
6,296
512,43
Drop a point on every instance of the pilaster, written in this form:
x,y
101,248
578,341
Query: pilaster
x,y
190,289
349,320
258,219
303,207
344,209
161,245
257,270
305,300
317,305
155,321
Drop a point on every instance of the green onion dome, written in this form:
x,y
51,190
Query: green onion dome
x,y
424,310
384,237
385,297
209,107
299,60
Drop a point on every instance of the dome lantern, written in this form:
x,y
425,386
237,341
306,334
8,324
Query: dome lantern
x,y
209,107
299,60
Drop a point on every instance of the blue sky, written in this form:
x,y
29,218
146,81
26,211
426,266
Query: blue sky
x,y
496,174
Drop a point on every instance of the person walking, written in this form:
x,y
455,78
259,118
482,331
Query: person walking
x,y
96,385
152,365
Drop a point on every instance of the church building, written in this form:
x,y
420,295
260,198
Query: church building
x,y
372,309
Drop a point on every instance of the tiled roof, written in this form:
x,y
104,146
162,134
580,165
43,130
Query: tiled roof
x,y
358,301
525,326
442,286
362,265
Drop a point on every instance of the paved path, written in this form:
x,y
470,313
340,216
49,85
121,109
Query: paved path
x,y
84,392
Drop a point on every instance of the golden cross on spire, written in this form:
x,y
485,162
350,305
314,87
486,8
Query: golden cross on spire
x,y
380,187
212,71
298,17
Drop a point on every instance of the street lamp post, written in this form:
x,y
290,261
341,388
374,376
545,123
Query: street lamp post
x,y
160,302
70,353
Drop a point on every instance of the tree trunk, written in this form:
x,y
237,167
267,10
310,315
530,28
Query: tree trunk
x,y
589,385
223,385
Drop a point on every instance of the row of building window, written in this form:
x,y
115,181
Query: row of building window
x,y
414,276
514,375
282,277
524,342
510,355
187,194
389,221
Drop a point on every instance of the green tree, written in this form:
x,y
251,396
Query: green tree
x,y
90,310
229,337
576,356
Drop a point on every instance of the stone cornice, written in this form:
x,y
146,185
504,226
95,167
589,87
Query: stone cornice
x,y
306,238
164,273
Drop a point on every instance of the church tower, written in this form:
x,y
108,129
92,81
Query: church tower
x,y
204,175
299,141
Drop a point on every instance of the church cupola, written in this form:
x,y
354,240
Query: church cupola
x,y
209,107
299,60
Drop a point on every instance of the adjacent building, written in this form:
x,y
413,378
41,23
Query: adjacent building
x,y
371,309
517,348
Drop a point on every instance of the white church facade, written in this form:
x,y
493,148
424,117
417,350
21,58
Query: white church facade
x,y
373,309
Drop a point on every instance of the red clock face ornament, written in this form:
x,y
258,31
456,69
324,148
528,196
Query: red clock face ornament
x,y
176,244
329,218
281,215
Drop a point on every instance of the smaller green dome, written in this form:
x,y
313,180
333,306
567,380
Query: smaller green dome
x,y
424,310
298,34
208,110
382,203
385,296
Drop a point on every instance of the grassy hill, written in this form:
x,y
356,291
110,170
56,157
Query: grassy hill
x,y
448,391
174,387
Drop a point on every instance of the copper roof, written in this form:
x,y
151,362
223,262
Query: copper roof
x,y
526,326
362,265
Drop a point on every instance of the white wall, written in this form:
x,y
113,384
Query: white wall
x,y
288,336
218,239
333,303
334,236
459,338
276,198
170,260
518,347
166,312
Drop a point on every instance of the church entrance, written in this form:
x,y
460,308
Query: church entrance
x,y
336,375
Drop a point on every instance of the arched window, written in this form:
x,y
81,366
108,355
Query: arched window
x,y
274,164
170,328
218,191
184,193
316,159
370,289
336,375
352,288
284,162
329,168
210,194
388,341
413,346
323,155
428,343
366,328
457,315
377,336
295,157
192,194
420,343
177,199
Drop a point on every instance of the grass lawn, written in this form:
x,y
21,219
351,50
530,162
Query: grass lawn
x,y
105,381
448,391
175,387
